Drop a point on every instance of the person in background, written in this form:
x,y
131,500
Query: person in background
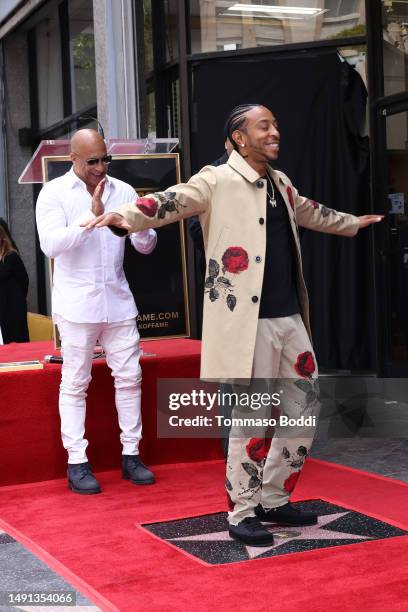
x,y
13,290
91,302
4,225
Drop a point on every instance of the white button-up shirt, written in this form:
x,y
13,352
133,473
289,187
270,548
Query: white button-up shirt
x,y
89,284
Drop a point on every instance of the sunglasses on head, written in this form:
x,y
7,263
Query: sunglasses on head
x,y
93,161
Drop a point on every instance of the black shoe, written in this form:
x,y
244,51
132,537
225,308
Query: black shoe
x,y
134,469
286,515
251,532
81,480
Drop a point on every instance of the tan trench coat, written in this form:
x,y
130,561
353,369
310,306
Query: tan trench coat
x,y
231,203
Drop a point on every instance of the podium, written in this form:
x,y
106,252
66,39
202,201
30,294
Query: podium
x,y
158,281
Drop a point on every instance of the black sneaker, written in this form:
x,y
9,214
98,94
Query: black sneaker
x,y
81,480
251,532
134,469
286,515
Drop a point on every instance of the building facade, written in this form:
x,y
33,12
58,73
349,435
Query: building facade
x,y
136,67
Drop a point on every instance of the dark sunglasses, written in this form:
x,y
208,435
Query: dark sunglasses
x,y
93,161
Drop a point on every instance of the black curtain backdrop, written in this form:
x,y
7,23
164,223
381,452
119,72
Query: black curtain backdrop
x,y
320,104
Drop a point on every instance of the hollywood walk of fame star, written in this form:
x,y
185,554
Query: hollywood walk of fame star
x,y
283,535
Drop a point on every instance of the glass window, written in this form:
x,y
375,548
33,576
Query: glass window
x,y
67,130
395,46
173,109
49,72
356,57
82,54
148,36
171,16
160,29
151,114
226,25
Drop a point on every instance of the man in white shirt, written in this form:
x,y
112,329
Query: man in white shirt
x,y
91,301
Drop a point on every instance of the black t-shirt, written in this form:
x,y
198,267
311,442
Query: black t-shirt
x,y
279,294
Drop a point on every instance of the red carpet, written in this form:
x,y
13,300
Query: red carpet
x,y
31,448
95,538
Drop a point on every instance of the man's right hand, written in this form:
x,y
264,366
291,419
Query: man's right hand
x,y
97,205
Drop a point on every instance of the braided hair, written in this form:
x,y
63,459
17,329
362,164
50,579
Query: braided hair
x,y
236,120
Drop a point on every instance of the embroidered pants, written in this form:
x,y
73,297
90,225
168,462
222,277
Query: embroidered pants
x,y
261,469
120,342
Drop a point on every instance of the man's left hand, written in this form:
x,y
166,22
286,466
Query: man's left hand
x,y
367,220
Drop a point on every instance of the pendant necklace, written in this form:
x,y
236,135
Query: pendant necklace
x,y
272,200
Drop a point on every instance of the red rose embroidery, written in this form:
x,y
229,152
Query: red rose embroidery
x,y
291,481
305,365
148,206
290,196
313,203
257,449
235,260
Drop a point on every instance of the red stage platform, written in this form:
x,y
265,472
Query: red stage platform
x,y
31,448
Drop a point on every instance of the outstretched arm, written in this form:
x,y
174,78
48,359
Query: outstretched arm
x,y
161,208
312,215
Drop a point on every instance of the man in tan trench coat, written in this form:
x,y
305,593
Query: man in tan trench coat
x,y
256,310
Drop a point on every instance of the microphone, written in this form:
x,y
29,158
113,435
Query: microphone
x,y
53,359
100,128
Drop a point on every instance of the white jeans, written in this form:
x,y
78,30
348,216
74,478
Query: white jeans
x,y
120,342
